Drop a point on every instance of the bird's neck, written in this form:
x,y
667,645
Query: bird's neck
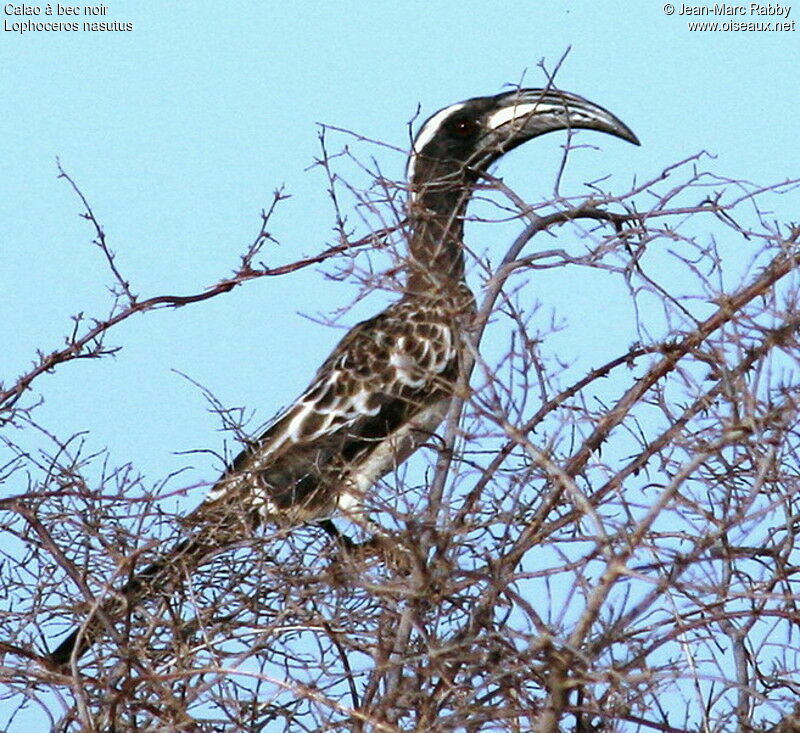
x,y
436,245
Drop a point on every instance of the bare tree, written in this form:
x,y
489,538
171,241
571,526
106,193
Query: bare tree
x,y
582,547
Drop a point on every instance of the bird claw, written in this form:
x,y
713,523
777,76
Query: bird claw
x,y
356,555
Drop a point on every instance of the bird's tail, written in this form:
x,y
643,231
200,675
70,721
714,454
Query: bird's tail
x,y
164,576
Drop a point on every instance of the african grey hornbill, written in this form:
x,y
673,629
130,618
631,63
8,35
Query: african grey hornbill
x,y
387,385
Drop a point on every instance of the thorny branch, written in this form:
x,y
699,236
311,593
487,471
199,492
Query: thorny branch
x,y
89,343
584,548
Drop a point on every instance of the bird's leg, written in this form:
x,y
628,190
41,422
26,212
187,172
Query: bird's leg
x,y
334,532
349,548
378,545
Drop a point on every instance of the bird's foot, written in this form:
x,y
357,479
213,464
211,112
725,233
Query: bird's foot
x,y
378,548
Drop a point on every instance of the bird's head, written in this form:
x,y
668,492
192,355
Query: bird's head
x,y
457,144
460,142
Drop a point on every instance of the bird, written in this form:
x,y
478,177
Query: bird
x,y
387,385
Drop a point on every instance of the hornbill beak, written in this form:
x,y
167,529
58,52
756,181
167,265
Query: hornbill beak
x,y
524,114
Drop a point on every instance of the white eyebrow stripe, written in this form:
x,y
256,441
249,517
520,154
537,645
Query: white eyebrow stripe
x,y
426,134
432,126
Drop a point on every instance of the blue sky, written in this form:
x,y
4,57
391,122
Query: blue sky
x,y
179,131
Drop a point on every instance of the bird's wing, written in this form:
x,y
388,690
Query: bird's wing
x,y
388,373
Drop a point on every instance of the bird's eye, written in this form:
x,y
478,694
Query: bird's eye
x,y
463,127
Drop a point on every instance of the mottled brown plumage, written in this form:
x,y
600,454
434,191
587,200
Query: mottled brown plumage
x,y
386,387
376,399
